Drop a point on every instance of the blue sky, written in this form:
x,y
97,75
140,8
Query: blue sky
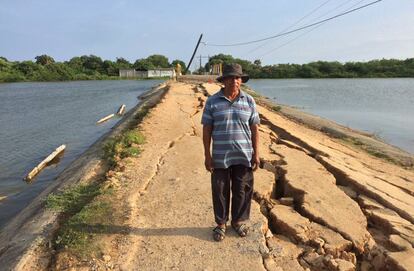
x,y
137,29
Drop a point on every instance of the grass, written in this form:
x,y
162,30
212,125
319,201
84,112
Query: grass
x,y
87,208
276,108
123,146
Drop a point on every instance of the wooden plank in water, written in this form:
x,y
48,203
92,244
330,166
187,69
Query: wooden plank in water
x,y
121,110
105,118
44,163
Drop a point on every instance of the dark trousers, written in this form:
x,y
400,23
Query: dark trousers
x,y
238,179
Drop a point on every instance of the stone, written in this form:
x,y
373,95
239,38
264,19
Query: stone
x,y
366,266
379,261
399,243
286,201
290,223
402,260
348,191
345,265
106,258
317,201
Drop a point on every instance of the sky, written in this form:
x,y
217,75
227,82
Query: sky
x,y
137,29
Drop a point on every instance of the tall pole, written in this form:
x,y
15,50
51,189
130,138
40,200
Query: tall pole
x,y
195,51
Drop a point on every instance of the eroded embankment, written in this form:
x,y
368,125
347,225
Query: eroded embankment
x,y
26,241
319,204
343,209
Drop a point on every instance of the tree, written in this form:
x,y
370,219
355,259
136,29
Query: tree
x,y
159,61
44,60
122,63
257,63
92,62
143,65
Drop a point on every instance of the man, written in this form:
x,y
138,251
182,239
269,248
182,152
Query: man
x,y
230,118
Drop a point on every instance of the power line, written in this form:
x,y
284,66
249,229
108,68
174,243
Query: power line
x,y
294,30
310,30
292,25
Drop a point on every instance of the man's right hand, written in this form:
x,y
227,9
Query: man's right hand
x,y
208,163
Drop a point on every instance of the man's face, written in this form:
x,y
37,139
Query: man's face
x,y
232,82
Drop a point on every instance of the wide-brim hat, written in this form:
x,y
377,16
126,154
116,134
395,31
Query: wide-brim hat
x,y
233,69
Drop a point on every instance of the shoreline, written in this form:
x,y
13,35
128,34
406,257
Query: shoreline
x,y
35,223
363,140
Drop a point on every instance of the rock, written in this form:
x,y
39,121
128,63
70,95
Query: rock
x,y
315,260
106,258
345,265
369,203
399,243
402,260
389,221
315,193
286,201
271,265
333,265
366,266
290,223
348,191
269,234
379,262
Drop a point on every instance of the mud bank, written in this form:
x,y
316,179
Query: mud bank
x,y
27,235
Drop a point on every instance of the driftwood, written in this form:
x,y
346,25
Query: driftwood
x,y
105,118
121,110
44,163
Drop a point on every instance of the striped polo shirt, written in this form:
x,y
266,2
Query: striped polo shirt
x,y
231,120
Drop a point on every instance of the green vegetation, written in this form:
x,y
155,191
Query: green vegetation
x,y
321,69
123,146
91,67
87,215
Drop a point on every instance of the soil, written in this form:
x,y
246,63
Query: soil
x,y
319,203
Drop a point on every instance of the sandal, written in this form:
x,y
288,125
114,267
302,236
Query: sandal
x,y
241,229
219,233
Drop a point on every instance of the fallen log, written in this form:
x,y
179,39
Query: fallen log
x,y
44,163
105,118
121,110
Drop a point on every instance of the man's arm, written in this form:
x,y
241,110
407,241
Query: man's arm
x,y
208,161
255,143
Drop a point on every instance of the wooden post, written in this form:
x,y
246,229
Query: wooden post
x,y
121,110
44,163
105,118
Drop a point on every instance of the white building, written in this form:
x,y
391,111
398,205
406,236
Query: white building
x,y
160,72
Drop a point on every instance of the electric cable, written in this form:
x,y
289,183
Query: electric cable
x,y
294,30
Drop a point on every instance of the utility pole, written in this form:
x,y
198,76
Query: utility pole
x,y
195,51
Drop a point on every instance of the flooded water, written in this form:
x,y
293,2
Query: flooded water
x,y
384,107
36,118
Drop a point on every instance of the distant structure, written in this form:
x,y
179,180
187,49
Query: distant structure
x,y
160,72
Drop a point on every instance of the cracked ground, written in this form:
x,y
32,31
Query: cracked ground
x,y
319,203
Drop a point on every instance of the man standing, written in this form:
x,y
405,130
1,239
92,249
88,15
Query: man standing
x,y
230,118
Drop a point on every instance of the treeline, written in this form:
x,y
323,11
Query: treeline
x,y
321,69
87,67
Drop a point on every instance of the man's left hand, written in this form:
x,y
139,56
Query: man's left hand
x,y
255,162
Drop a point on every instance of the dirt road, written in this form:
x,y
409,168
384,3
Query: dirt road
x,y
320,204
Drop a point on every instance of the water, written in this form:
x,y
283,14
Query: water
x,y
36,118
384,107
